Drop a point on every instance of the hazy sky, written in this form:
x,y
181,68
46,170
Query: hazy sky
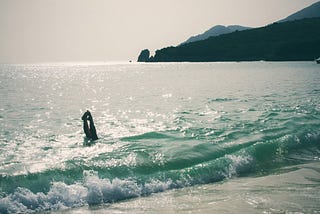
x,y
113,30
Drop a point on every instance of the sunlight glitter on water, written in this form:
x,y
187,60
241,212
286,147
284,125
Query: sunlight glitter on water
x,y
160,127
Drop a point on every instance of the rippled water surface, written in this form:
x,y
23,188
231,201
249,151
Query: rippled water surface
x,y
160,126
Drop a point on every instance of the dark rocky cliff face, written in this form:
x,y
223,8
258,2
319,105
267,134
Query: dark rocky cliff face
x,y
144,56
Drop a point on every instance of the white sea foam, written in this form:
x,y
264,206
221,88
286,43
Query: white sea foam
x,y
93,190
60,196
239,164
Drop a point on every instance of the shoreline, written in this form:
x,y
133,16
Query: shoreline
x,y
292,191
70,64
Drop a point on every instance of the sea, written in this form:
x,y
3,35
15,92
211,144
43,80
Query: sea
x,y
228,137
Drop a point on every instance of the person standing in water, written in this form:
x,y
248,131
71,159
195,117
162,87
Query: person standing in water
x,y
89,130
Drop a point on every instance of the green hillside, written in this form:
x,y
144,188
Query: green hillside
x,y
296,40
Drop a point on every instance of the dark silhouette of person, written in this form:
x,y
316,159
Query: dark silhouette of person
x,y
89,130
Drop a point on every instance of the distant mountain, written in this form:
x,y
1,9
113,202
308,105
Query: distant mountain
x,y
286,41
216,31
296,37
312,11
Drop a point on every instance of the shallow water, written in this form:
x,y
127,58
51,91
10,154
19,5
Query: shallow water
x,y
296,191
161,127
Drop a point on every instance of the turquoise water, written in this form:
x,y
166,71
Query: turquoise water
x,y
161,127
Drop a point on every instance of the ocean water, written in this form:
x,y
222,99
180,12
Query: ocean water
x,y
173,137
